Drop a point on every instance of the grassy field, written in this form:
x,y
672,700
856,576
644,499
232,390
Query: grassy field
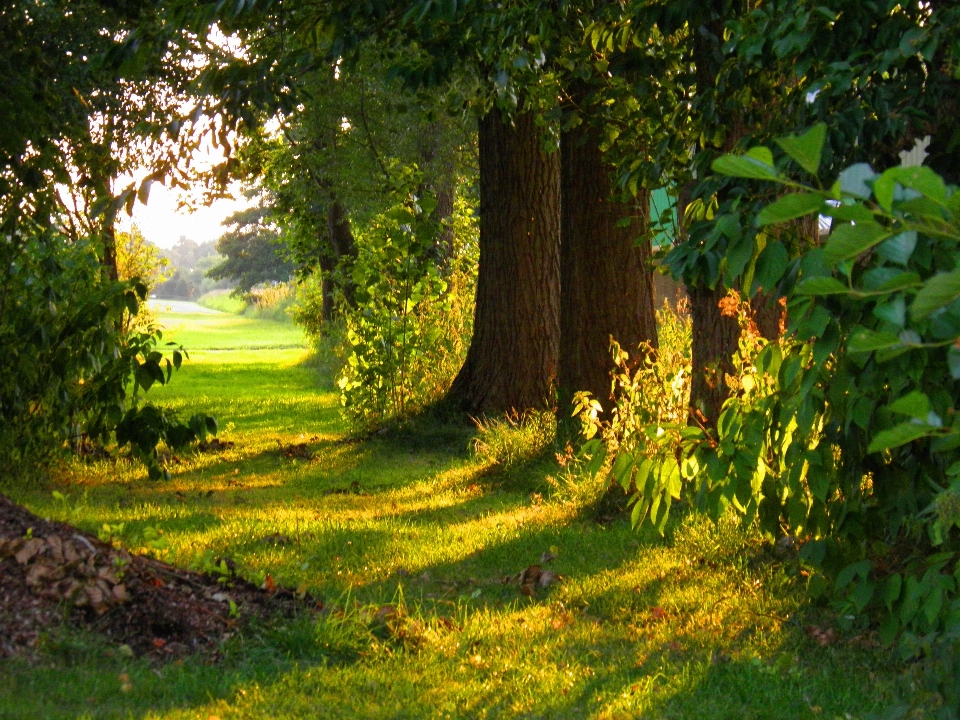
x,y
414,543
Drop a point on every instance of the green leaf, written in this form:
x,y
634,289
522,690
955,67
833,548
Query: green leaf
x,y
806,149
914,404
622,470
771,265
899,282
822,286
743,166
848,241
937,292
899,248
790,207
762,154
923,180
865,340
857,569
894,312
891,590
899,435
856,180
953,361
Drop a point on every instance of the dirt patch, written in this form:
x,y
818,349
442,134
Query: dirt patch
x,y
52,573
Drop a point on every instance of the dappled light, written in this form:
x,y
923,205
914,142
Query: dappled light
x,y
552,360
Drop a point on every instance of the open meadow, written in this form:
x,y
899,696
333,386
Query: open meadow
x,y
413,546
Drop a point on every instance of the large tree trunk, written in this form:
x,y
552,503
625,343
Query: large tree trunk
x,y
606,285
715,339
512,360
715,335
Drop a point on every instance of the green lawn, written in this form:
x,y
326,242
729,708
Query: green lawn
x,y
700,624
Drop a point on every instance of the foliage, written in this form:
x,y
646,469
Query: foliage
x,y
188,265
138,258
410,327
71,371
844,435
861,435
307,308
648,423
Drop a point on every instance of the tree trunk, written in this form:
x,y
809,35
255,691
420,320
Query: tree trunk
x,y
512,360
606,285
715,335
715,340
342,240
441,181
109,259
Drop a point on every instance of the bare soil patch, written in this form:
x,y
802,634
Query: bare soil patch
x,y
51,573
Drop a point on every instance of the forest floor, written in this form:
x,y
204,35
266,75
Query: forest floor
x,y
443,585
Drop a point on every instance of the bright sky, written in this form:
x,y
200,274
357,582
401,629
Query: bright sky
x,y
162,223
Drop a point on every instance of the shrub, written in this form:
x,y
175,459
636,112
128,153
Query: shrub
x,y
70,370
409,328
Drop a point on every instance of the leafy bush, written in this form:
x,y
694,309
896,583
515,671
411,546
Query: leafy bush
x,y
409,329
271,302
845,434
70,370
307,307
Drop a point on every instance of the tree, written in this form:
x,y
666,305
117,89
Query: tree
x,y
605,271
252,250
512,360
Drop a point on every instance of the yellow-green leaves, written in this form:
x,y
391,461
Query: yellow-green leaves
x,y
806,149
748,166
937,292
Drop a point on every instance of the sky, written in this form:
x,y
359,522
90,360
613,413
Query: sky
x,y
162,223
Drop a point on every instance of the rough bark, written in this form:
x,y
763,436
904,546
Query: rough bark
x,y
715,339
606,281
715,336
512,360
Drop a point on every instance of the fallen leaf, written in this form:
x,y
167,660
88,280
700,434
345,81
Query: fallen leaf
x,y
658,613
547,578
159,642
268,584
29,549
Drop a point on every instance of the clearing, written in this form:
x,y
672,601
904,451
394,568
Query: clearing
x,y
414,547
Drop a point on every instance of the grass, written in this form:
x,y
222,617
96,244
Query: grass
x,y
700,623
223,301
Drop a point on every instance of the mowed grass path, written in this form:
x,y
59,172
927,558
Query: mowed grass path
x,y
700,624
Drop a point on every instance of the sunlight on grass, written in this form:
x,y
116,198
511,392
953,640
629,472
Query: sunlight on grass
x,y
698,624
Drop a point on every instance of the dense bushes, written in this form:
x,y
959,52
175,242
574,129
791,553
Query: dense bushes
x,y
409,326
843,437
73,363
